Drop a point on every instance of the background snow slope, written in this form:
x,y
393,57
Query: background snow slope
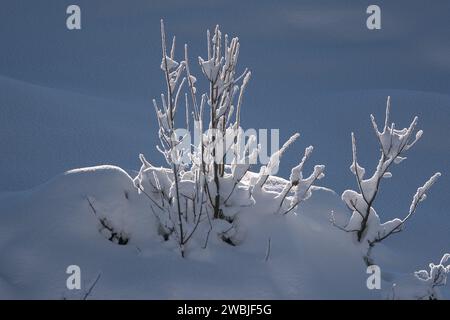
x,y
45,131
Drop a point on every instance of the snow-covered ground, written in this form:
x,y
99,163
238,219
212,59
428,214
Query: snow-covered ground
x,y
52,226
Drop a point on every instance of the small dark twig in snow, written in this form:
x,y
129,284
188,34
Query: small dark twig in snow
x,y
91,288
268,250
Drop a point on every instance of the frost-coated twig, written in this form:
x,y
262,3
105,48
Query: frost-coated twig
x,y
169,136
302,187
274,162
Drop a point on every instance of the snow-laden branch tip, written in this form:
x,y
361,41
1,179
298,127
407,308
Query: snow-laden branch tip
x,y
420,194
394,142
274,162
302,187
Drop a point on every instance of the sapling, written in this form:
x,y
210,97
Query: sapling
x,y
435,278
365,223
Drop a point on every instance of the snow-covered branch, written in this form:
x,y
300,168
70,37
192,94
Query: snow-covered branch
x,y
302,187
274,162
365,222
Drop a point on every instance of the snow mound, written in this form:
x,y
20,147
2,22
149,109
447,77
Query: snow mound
x,y
53,129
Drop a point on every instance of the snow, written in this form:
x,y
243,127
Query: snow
x,y
50,227
274,162
54,129
210,68
171,64
420,194
423,284
46,229
106,219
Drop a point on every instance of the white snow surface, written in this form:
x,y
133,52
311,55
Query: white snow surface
x,y
46,229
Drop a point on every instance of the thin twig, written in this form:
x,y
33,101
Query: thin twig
x,y
91,288
268,250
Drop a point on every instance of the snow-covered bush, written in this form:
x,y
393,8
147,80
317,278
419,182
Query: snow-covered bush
x,y
435,278
365,222
422,284
209,182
